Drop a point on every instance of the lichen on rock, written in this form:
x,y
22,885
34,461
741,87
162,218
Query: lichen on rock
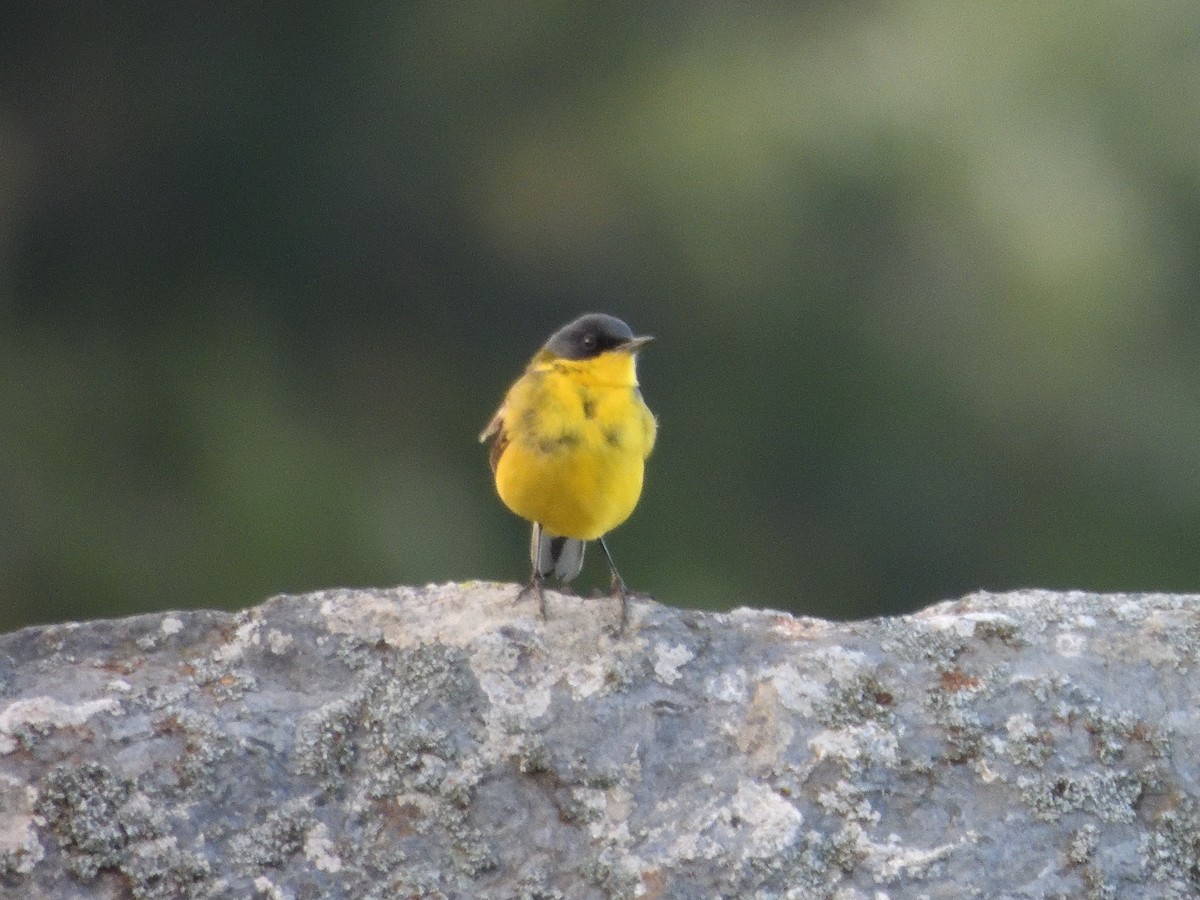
x,y
445,742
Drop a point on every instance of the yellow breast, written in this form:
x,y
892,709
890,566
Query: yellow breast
x,y
578,435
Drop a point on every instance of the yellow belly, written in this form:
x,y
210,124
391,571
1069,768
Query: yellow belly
x,y
580,492
578,436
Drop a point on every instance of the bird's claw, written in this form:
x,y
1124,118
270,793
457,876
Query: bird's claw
x,y
534,587
621,591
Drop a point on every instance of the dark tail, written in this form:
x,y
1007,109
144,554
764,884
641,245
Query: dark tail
x,y
553,555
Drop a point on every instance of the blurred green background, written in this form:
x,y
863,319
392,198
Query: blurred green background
x,y
925,278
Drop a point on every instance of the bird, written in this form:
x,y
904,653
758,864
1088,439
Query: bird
x,y
569,444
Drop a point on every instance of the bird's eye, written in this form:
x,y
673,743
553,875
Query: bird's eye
x,y
589,341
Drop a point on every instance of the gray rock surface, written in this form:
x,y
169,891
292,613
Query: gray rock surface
x,y
443,742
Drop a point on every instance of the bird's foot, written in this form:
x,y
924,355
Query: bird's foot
x,y
534,587
620,590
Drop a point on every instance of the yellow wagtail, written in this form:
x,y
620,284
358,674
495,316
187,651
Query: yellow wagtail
x,y
569,444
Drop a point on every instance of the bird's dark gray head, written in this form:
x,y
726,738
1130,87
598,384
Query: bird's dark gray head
x,y
592,335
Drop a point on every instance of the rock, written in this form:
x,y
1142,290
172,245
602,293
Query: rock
x,y
444,742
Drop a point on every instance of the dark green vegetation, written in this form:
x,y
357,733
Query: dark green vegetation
x,y
924,282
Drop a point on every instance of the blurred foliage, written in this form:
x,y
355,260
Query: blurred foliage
x,y
925,280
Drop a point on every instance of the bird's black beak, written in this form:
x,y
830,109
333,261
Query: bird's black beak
x,y
634,344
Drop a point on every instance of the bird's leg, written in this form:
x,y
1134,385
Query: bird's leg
x,y
536,579
535,587
618,587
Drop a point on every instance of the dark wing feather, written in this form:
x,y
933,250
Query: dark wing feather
x,y
496,433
